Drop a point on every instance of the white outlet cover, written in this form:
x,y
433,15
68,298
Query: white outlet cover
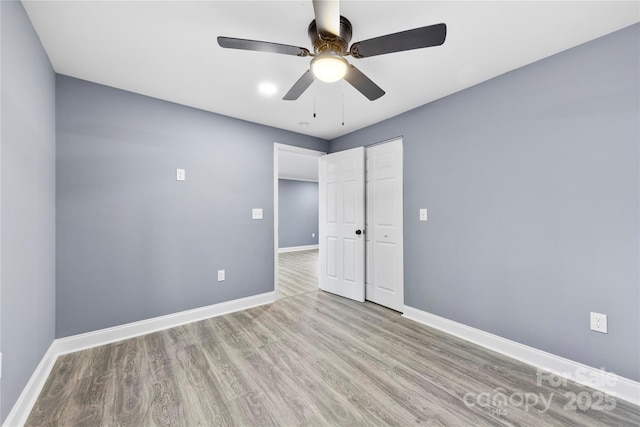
x,y
220,275
423,214
256,213
180,175
598,322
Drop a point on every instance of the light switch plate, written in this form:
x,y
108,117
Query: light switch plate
x,y
423,214
256,213
220,275
180,175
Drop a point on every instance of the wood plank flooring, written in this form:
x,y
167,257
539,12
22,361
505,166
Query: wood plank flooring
x,y
297,273
313,359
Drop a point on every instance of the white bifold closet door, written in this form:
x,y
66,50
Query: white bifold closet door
x,y
384,225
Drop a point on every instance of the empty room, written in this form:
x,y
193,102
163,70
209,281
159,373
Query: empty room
x,y
314,212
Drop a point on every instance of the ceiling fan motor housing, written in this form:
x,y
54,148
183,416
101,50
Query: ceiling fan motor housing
x,y
330,42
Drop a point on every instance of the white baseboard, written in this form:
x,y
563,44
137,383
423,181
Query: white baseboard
x,y
598,379
297,248
24,404
22,408
130,330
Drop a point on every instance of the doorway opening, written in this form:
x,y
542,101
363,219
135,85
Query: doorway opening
x,y
296,210
363,259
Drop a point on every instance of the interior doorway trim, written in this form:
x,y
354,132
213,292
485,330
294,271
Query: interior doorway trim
x,y
277,148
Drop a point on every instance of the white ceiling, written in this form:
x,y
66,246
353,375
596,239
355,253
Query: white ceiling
x,y
300,167
168,50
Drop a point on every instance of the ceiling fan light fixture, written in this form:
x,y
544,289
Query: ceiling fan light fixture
x,y
329,67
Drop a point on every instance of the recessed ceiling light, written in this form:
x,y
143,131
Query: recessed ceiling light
x,y
304,124
267,89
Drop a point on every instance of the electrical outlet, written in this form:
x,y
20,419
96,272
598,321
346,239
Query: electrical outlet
x,y
423,214
256,213
220,275
313,234
598,322
180,175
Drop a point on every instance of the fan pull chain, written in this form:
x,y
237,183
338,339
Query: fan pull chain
x,y
314,96
342,87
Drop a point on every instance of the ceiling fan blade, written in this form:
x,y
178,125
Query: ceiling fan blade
x,y
327,17
232,43
299,87
363,83
433,35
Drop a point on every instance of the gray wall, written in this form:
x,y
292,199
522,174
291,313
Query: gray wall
x,y
28,203
532,184
531,179
297,213
133,242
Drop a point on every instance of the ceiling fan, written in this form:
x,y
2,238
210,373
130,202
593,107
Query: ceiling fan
x,y
330,34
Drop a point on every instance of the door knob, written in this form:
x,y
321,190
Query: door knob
x,y
359,232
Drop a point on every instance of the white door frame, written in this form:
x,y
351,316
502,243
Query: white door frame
x,y
277,148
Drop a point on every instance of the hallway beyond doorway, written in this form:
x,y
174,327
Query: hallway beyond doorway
x,y
297,273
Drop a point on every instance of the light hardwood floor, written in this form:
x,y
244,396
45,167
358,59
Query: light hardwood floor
x,y
312,359
297,273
